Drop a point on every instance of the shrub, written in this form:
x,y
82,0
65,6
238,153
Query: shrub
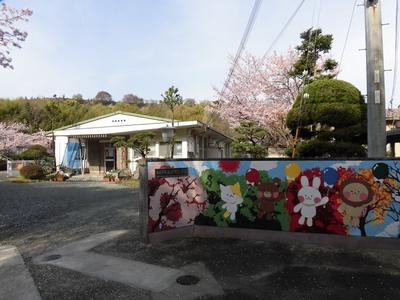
x,y
32,171
333,120
35,152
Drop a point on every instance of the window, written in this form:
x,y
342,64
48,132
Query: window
x,y
165,152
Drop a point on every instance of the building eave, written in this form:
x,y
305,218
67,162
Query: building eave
x,y
125,129
110,115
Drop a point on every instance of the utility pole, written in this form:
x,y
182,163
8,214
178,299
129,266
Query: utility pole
x,y
375,80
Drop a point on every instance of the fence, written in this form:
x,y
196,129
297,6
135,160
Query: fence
x,y
337,197
13,166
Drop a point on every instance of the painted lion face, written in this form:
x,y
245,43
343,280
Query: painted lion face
x,y
356,192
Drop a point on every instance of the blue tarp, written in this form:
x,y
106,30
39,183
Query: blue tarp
x,y
72,156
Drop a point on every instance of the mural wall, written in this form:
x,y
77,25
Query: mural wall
x,y
357,198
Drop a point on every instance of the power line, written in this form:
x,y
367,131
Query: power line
x,y
347,36
284,28
242,45
243,42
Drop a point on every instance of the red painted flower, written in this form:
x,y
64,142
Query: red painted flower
x,y
174,212
252,175
229,165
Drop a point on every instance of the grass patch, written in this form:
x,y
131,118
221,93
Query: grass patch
x,y
132,183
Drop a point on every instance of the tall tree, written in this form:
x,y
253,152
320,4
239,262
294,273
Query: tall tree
x,y
14,136
10,35
313,62
261,90
172,99
104,97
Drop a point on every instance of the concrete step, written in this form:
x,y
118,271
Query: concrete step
x,y
85,178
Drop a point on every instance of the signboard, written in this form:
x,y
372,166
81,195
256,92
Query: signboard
x,y
172,172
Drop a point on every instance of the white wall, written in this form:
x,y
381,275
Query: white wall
x,y
118,120
60,146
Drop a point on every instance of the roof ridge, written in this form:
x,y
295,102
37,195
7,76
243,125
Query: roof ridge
x,y
112,114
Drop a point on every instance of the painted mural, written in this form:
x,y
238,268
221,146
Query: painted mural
x,y
357,198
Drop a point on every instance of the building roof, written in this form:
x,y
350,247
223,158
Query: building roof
x,y
113,114
121,122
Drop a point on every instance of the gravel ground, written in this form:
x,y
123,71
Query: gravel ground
x,y
43,216
40,217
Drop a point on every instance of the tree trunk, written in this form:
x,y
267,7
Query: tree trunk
x,y
362,226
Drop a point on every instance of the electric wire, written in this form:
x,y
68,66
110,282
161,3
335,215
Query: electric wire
x,y
243,42
347,36
242,45
283,29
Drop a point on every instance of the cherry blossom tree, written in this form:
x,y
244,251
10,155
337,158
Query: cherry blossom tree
x,y
11,36
13,137
262,90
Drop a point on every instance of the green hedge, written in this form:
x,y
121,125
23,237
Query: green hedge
x,y
332,102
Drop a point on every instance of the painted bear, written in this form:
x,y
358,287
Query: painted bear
x,y
268,194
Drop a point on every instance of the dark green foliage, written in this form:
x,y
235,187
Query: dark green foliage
x,y
250,140
140,142
48,113
333,119
32,171
172,98
246,215
35,152
318,148
313,45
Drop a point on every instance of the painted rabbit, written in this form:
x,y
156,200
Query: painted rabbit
x,y
310,198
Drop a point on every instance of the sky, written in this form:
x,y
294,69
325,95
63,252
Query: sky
x,y
145,46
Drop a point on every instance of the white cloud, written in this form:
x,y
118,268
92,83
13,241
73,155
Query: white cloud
x,y
199,166
264,165
347,164
392,230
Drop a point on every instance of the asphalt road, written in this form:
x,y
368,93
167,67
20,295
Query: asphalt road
x,y
39,217
44,216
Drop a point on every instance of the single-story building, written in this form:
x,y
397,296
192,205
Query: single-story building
x,y
88,142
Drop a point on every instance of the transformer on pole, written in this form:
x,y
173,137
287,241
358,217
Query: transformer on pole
x,y
375,80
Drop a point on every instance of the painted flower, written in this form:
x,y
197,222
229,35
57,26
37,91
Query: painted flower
x,y
229,165
253,175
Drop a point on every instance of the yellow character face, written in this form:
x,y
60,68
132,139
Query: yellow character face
x,y
356,192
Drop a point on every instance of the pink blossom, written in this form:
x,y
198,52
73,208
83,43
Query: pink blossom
x,y
10,36
262,90
14,136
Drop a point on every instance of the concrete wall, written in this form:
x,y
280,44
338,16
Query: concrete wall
x,y
347,198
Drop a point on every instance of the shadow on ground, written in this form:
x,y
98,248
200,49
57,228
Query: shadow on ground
x,y
265,270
